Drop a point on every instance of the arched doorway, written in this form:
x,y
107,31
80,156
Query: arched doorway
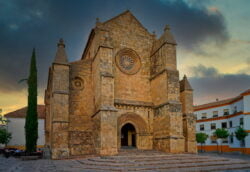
x,y
128,136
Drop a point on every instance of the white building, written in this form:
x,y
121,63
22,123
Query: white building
x,y
16,127
229,114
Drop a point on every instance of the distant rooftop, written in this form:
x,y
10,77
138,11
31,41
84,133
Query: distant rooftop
x,y
21,113
221,102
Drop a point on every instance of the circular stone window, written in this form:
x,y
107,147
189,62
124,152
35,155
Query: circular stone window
x,y
78,83
128,61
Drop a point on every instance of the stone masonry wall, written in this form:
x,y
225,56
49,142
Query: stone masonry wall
x,y
81,141
126,32
189,120
60,111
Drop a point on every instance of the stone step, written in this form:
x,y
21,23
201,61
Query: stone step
x,y
194,164
154,155
204,168
150,158
149,161
180,167
231,168
138,164
154,159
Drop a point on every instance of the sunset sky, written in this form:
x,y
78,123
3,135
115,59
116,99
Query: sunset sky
x,y
213,39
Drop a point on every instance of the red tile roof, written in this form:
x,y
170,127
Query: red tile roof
x,y
21,113
221,102
247,92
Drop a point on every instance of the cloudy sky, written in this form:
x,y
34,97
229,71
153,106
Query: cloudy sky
x,y
213,39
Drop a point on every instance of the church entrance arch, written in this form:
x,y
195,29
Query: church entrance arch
x,y
130,131
128,135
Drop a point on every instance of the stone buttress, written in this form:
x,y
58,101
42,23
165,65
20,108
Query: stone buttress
x,y
57,105
189,119
168,133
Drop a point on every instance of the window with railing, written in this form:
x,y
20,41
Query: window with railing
x,y
235,109
226,112
213,126
215,114
202,127
204,116
241,122
224,125
231,124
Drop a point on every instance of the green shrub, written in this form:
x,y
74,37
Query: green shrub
x,y
5,136
221,133
201,137
240,134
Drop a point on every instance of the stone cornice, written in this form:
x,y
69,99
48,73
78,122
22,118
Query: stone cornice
x,y
60,121
60,92
160,72
167,103
64,64
104,108
133,103
168,137
189,115
143,104
145,134
106,74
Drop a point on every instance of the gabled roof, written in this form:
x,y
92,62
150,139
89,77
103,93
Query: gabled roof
x,y
127,12
21,113
92,33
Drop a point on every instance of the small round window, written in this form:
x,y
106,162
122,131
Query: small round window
x,y
77,83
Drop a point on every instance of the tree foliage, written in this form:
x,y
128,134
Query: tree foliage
x,y
201,137
3,120
5,136
240,134
221,133
31,123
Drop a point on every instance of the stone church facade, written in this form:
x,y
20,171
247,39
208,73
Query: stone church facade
x,y
124,91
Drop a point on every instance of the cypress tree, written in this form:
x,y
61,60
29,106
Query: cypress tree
x,y
31,123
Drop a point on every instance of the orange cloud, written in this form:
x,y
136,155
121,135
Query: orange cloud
x,y
10,101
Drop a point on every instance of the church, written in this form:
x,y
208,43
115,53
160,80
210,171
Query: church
x,y
124,92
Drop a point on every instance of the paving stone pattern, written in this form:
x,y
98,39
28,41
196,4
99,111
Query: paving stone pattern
x,y
130,160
